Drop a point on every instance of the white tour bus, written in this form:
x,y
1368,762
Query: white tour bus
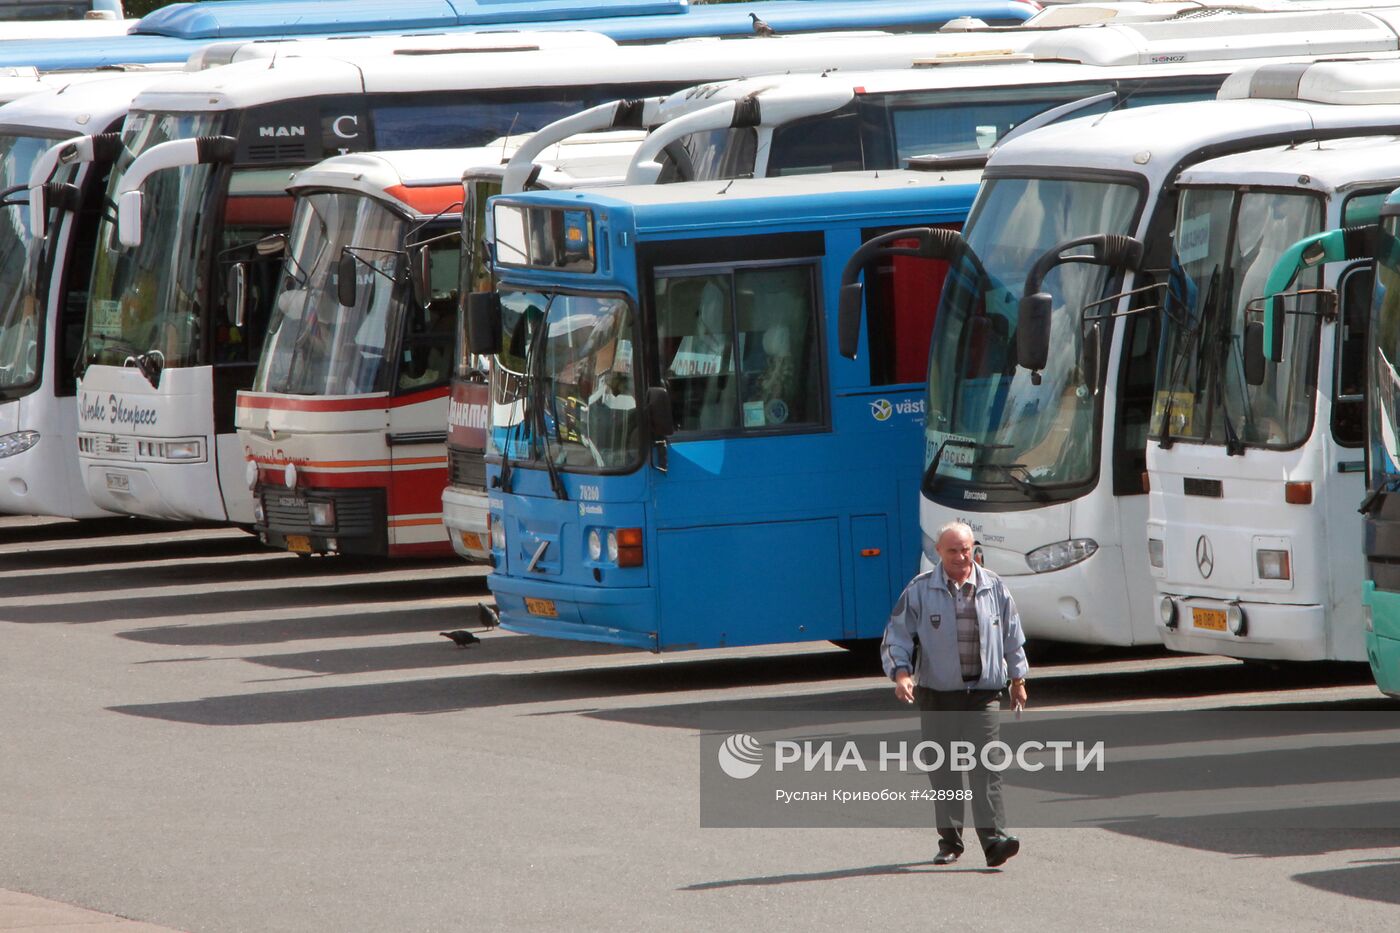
x,y
1256,466
48,228
1040,393
202,180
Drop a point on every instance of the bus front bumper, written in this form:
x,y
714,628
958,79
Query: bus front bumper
x,y
1271,631
615,616
1086,602
1384,655
465,512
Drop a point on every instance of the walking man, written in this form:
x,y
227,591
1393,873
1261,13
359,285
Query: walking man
x,y
953,644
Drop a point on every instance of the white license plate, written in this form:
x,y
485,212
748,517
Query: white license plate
x,y
118,482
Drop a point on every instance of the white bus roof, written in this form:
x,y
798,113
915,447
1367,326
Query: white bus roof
x,y
1152,140
355,47
588,158
1324,82
1331,165
78,106
786,186
1141,49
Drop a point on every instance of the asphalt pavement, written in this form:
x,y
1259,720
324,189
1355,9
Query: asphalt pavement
x,y
202,735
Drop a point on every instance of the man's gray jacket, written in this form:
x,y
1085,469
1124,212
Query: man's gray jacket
x,y
927,610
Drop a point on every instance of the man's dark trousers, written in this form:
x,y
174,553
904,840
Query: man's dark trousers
x,y
963,716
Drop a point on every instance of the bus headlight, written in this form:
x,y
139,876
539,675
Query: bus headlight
x,y
1235,620
1167,609
1061,554
259,514
1156,552
250,474
595,545
1272,565
17,443
321,513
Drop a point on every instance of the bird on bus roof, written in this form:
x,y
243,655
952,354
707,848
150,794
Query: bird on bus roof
x,y
760,28
462,638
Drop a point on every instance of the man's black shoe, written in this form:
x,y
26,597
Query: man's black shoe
x,y
946,857
1001,850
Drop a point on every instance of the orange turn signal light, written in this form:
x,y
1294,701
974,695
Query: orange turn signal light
x,y
629,547
1297,493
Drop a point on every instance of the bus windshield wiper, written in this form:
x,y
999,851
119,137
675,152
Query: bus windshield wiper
x,y
1011,470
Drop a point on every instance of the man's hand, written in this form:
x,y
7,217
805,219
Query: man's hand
x,y
904,687
1018,695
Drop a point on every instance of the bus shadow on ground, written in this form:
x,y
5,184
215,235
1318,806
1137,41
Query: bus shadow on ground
x,y
93,528
350,623
1370,879
281,593
64,560
435,651
452,694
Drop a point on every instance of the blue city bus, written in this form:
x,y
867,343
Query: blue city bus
x,y
175,32
691,462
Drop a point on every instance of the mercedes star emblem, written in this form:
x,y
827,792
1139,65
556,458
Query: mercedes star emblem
x,y
1205,557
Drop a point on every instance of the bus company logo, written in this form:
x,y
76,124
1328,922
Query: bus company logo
x,y
1205,557
740,756
1167,59
881,409
466,415
115,410
281,132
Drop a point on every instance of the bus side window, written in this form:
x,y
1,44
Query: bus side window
x,y
1349,382
830,142
1135,387
900,308
426,357
695,332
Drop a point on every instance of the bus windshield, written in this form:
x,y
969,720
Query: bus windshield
x,y
148,297
989,421
315,345
1384,459
1226,243
563,386
21,319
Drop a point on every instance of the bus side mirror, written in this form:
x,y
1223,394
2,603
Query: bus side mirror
x,y
848,318
274,244
420,275
238,293
484,323
129,219
345,279
1254,362
660,418
1033,332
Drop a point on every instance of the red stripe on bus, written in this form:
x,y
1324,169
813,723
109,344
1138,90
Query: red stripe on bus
x,y
428,199
348,403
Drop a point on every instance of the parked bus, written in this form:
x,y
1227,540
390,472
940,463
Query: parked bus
x,y
1381,506
175,32
211,150
1256,468
44,269
678,459
1045,454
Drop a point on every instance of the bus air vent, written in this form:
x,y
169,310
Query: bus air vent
x,y
1211,488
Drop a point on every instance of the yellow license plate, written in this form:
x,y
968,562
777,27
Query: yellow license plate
x,y
1210,619
541,607
299,544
